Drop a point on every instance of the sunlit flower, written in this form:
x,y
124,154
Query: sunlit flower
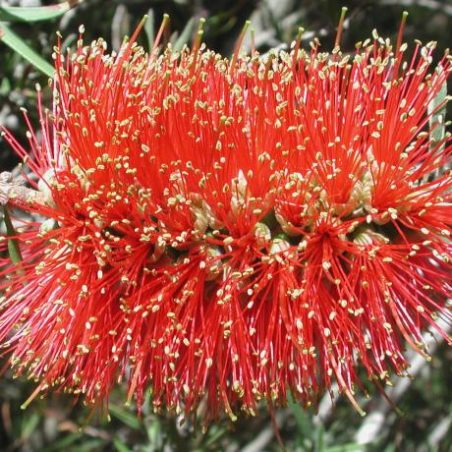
x,y
229,231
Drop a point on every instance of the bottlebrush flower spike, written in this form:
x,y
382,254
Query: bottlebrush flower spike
x,y
228,232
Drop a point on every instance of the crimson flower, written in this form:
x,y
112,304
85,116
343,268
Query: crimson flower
x,y
227,232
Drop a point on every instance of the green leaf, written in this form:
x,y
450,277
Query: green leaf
x,y
437,110
63,443
125,417
90,445
29,425
215,434
155,431
35,13
16,43
350,447
149,28
13,244
185,35
120,446
320,440
305,427
5,87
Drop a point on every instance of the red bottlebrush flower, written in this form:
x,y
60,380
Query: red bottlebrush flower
x,y
229,231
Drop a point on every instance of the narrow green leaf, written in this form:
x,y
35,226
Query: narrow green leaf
x,y
320,443
350,447
90,445
155,431
125,417
437,110
13,244
185,35
120,446
29,425
16,43
303,420
215,433
63,443
35,13
149,28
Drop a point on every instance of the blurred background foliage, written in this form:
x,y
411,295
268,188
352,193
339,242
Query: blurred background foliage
x,y
421,419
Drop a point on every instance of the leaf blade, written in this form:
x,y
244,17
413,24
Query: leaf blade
x,y
36,13
125,417
437,111
185,35
16,43
120,446
13,244
149,28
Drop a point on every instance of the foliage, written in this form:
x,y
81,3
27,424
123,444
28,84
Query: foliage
x,y
55,423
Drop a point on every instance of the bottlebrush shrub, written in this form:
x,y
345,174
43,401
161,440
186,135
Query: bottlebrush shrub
x,y
226,231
